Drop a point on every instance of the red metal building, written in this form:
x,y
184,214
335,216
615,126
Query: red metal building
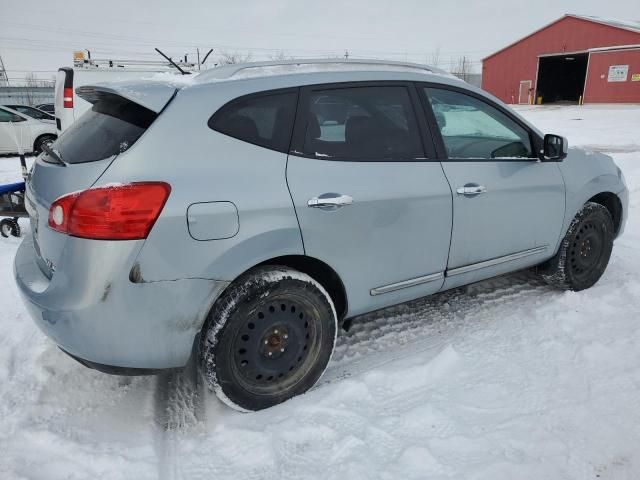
x,y
574,59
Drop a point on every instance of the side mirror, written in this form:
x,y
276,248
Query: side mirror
x,y
17,118
555,148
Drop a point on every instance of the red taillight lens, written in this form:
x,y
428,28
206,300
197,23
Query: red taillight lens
x,y
67,97
119,212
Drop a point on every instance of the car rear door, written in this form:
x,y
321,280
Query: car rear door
x,y
508,206
370,201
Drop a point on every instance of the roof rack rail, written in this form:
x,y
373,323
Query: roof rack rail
x,y
228,71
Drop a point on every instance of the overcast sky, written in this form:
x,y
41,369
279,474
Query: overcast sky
x,y
41,35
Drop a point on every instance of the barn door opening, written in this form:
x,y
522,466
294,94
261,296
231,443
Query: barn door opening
x,y
561,77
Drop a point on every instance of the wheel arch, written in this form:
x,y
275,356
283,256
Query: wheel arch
x,y
320,272
37,139
613,204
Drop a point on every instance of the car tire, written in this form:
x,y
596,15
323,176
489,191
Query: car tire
x,y
9,226
6,227
43,140
584,252
15,230
269,337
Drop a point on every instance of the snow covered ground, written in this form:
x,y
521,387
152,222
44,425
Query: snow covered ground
x,y
504,379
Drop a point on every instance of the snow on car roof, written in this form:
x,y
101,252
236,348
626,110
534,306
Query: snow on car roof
x,y
301,66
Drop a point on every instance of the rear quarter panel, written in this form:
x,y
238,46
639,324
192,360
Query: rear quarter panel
x,y
202,165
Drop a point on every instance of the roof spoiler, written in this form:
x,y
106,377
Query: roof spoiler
x,y
149,94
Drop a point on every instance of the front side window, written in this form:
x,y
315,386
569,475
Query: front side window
x,y
265,120
473,129
362,123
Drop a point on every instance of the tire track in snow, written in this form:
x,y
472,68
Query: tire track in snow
x,y
381,337
178,405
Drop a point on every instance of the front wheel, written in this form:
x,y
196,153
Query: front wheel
x,y
584,252
268,338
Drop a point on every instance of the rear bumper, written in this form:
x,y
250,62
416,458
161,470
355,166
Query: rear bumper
x,y
91,309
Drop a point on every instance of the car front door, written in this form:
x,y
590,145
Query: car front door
x,y
370,200
508,206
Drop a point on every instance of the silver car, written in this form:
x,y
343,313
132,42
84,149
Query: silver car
x,y
242,216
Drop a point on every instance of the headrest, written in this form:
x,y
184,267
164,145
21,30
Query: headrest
x,y
246,125
313,127
360,129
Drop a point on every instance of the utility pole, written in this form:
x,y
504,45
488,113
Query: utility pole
x,y
4,78
198,52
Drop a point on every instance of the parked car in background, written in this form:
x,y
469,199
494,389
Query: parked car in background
x,y
244,216
30,134
33,113
47,107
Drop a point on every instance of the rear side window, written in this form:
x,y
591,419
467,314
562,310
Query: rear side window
x,y
264,120
362,123
111,127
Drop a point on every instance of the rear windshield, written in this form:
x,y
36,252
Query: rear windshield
x,y
111,127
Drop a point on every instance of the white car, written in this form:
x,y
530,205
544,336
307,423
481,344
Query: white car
x,y
20,133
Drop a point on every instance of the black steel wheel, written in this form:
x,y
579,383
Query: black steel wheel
x,y
585,250
268,338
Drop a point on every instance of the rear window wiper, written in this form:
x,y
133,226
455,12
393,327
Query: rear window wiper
x,y
53,154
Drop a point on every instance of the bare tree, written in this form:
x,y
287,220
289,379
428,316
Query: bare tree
x,y
228,58
280,56
434,59
461,67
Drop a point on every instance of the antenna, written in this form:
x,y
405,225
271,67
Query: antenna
x,y
207,56
173,63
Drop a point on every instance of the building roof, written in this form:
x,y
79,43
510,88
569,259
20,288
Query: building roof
x,y
630,25
634,26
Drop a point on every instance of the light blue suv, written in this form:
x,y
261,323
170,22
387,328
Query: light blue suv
x,y
241,216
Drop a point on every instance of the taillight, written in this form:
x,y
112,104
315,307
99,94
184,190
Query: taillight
x,y
67,97
118,212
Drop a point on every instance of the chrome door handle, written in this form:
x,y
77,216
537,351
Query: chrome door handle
x,y
471,189
330,201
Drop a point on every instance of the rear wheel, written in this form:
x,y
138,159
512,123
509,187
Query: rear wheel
x,y
268,338
45,140
585,250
